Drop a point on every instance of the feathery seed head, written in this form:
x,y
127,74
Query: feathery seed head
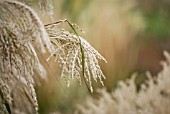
x,y
20,30
69,55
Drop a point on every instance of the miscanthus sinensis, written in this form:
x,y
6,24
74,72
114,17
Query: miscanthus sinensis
x,y
20,30
70,50
152,98
21,34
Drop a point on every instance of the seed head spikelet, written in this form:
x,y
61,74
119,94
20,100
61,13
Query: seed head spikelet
x,y
22,36
73,53
20,30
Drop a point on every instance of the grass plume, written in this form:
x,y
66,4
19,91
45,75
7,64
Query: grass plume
x,y
152,98
75,55
20,30
21,34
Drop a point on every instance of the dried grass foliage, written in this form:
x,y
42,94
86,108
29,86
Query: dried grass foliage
x,y
69,56
152,98
21,34
19,27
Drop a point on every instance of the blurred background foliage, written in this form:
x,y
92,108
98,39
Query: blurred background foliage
x,y
130,34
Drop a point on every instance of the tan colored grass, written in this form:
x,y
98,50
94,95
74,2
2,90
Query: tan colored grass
x,y
22,35
152,98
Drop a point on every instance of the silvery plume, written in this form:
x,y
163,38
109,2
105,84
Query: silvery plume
x,y
20,30
75,55
151,97
22,34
